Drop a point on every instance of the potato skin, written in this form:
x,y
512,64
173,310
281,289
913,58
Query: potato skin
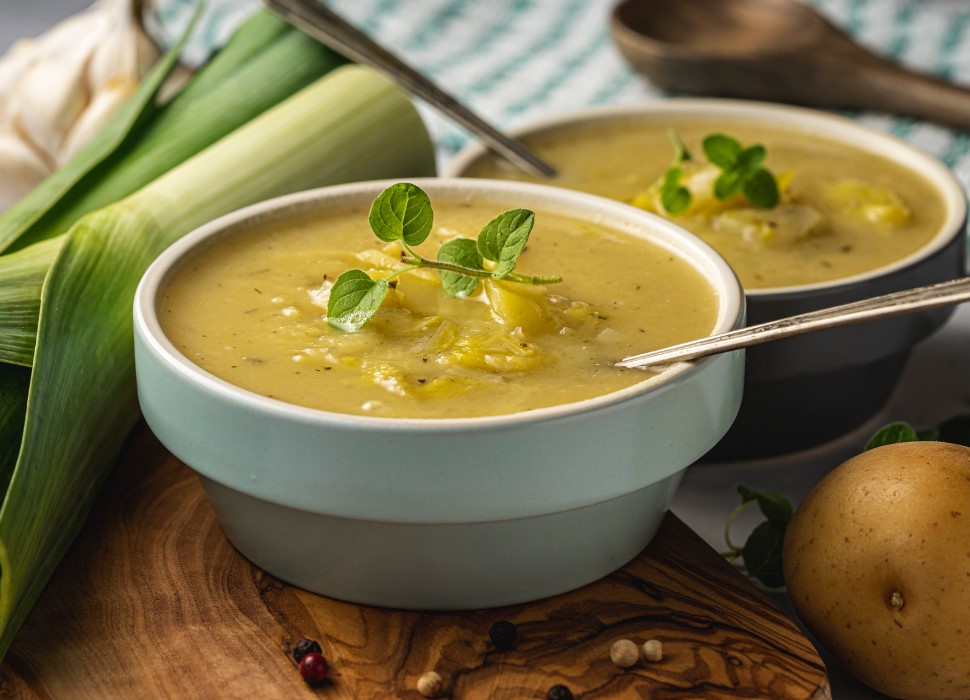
x,y
877,564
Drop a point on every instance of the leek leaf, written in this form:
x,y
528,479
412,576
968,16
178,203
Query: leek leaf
x,y
13,406
242,81
21,278
48,196
351,125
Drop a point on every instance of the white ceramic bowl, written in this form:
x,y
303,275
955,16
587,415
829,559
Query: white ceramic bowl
x,y
810,389
439,514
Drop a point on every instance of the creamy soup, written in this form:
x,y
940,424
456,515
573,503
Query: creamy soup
x,y
842,212
252,310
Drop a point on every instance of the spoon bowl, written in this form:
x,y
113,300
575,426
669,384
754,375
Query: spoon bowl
x,y
778,50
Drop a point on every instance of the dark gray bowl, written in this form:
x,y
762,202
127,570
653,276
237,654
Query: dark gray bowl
x,y
805,391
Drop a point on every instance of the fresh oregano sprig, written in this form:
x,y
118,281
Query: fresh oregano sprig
x,y
742,170
674,197
403,213
761,552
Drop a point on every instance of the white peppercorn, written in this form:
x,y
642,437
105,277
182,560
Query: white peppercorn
x,y
624,653
430,684
653,650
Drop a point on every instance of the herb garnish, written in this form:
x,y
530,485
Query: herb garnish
x,y
741,171
403,213
761,553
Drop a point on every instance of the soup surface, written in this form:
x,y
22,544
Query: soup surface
x,y
843,211
252,310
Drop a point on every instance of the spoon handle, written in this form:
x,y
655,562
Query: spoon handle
x,y
888,87
322,23
884,306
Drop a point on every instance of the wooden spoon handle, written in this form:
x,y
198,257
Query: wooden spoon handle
x,y
888,87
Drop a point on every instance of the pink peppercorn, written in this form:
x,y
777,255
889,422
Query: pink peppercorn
x,y
313,668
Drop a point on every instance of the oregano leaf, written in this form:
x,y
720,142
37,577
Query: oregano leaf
x,y
674,198
402,212
891,434
354,299
503,239
728,184
747,494
775,507
750,159
722,150
681,153
761,189
762,554
464,252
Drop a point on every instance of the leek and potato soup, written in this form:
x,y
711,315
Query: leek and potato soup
x,y
252,310
840,211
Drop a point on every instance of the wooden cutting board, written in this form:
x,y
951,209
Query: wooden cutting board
x,y
153,602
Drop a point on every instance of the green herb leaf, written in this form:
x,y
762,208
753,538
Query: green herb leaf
x,y
354,299
402,212
464,252
956,430
728,184
893,433
762,554
722,150
503,239
761,189
775,507
681,153
674,198
750,159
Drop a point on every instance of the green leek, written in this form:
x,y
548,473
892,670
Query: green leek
x,y
265,62
21,278
350,125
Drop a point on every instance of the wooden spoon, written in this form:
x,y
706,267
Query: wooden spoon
x,y
779,50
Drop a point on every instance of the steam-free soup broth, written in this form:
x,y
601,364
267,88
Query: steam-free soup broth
x,y
843,211
251,310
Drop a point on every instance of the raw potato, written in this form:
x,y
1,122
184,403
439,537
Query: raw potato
x,y
877,563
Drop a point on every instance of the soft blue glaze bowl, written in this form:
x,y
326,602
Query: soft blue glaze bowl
x,y
450,513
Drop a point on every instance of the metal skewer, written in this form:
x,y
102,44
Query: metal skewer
x,y
884,306
324,24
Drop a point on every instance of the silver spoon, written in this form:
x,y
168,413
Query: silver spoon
x,y
325,25
930,297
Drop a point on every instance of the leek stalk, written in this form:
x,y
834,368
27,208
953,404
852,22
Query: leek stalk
x,y
351,125
21,278
265,62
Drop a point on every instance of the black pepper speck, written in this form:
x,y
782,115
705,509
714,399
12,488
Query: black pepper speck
x,y
559,692
304,647
503,634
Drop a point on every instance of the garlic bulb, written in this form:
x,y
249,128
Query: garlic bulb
x,y
57,90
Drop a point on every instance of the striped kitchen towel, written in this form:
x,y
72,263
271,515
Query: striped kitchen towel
x,y
517,60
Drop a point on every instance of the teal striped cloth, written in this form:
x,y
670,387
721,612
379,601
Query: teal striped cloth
x,y
517,60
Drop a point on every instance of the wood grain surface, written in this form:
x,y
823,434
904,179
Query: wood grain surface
x,y
153,602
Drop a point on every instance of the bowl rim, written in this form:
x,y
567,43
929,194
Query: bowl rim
x,y
830,126
727,288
